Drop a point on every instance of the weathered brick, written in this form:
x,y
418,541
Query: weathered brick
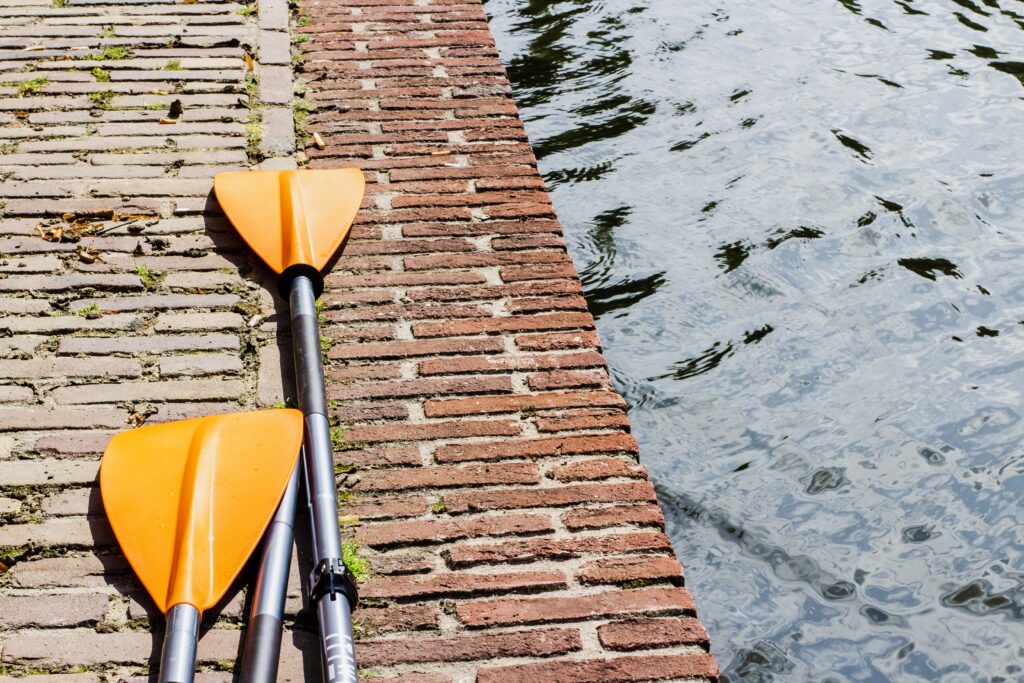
x,y
192,322
598,468
638,568
579,339
48,611
641,634
533,643
614,515
148,344
199,365
519,323
72,531
508,404
556,548
444,477
73,570
572,420
435,531
381,620
39,368
194,390
460,584
434,430
478,364
537,448
475,501
48,472
521,611
408,349
421,387
645,667
42,418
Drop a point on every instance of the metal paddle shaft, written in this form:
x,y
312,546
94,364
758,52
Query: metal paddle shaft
x,y
263,633
331,585
178,657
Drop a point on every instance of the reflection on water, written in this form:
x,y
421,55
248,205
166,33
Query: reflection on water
x,y
801,229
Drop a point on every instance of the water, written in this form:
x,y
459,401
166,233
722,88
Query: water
x,y
801,228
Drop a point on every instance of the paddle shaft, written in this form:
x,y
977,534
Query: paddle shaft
x,y
263,632
329,579
178,657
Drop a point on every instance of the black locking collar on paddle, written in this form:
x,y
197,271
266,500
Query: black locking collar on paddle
x,y
331,577
284,280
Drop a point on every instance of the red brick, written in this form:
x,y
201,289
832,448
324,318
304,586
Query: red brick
x,y
525,289
557,341
404,562
537,259
434,430
572,420
615,515
519,323
489,227
475,364
641,634
401,312
558,548
459,584
558,496
384,534
421,387
420,347
568,379
449,476
620,669
638,568
537,448
404,279
548,304
388,507
395,455
518,402
534,643
380,620
521,611
598,468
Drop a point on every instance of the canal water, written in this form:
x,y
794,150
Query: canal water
x,y
800,226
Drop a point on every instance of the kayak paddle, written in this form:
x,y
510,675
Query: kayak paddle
x,y
188,502
295,221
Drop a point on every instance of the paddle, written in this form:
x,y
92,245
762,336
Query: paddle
x,y
295,221
188,502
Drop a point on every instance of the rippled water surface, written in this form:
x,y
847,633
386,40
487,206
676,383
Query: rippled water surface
x,y
801,228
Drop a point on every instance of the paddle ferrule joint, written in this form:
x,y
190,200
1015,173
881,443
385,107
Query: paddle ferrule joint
x,y
285,280
331,577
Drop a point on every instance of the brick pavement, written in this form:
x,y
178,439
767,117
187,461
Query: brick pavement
x,y
486,465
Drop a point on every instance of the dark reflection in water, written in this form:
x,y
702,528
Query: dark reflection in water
x,y
799,225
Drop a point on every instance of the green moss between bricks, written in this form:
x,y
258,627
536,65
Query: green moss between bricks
x,y
32,86
100,74
149,280
101,99
359,565
340,442
111,52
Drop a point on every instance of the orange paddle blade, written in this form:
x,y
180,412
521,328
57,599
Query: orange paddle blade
x,y
189,500
292,217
